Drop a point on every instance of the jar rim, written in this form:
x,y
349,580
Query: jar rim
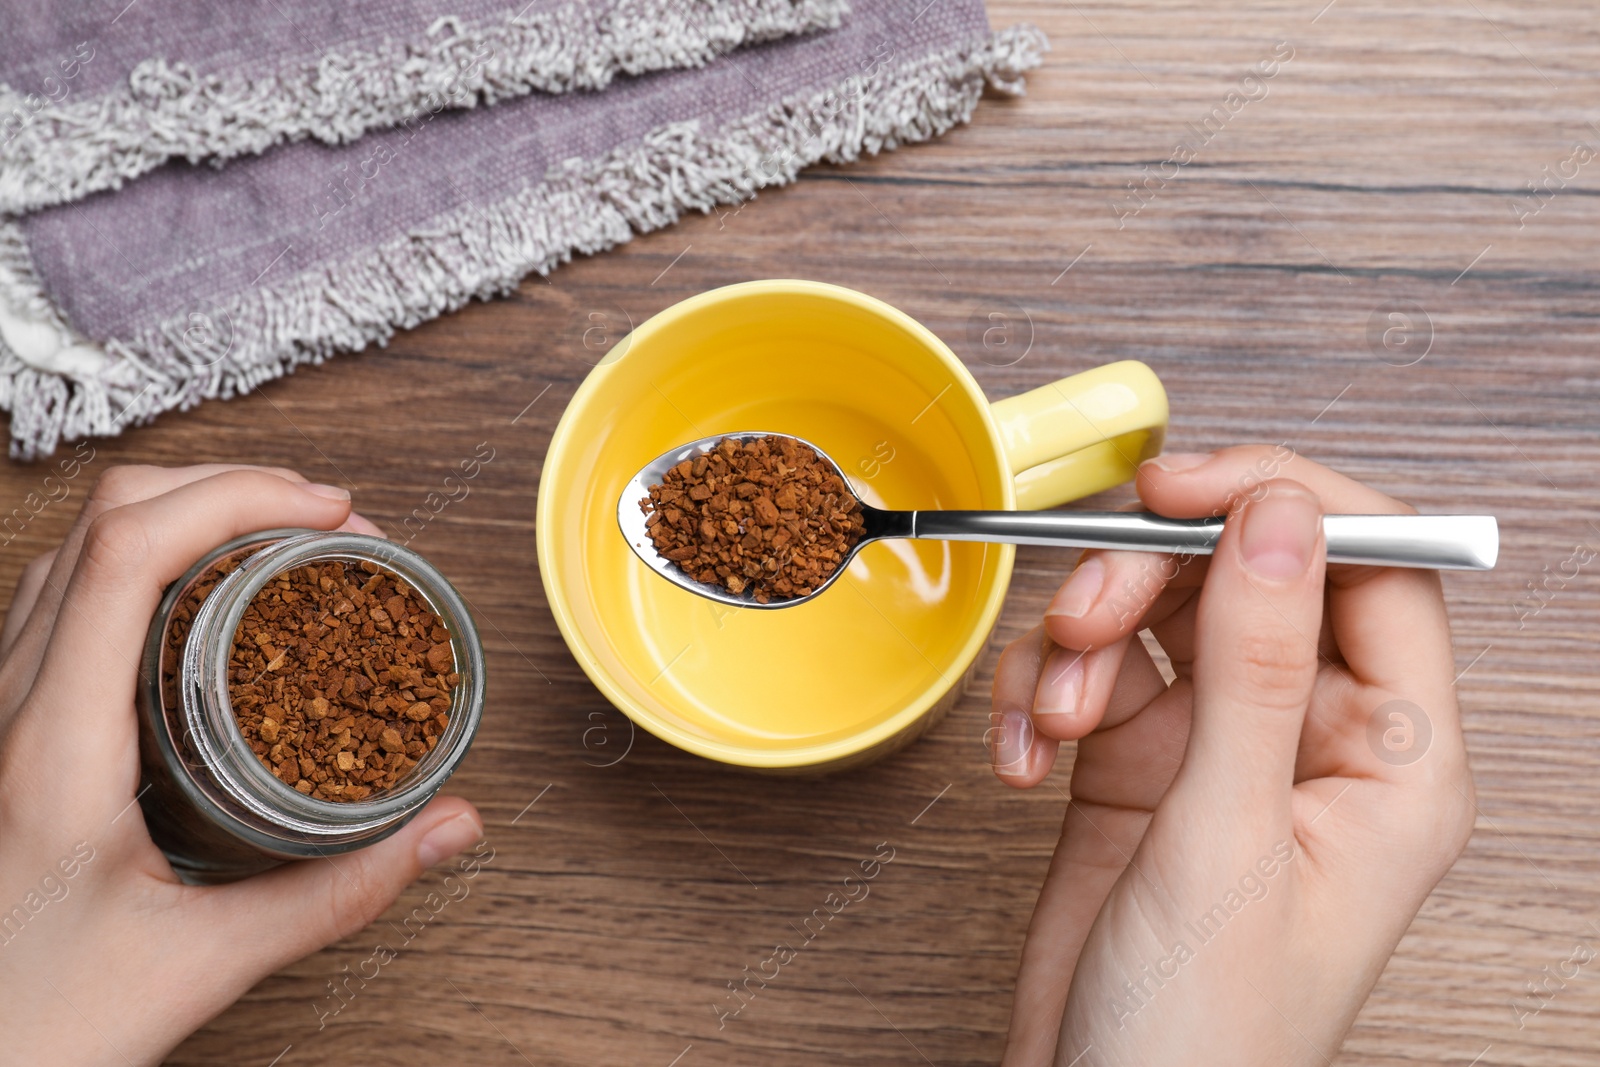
x,y
209,713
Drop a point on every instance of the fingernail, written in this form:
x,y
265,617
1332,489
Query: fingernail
x,y
331,492
363,525
1062,684
1280,533
448,838
1016,736
1176,462
1075,598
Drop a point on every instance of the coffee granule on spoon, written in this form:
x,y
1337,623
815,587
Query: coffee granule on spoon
x,y
769,517
340,677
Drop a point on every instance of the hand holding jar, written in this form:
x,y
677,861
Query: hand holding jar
x,y
110,958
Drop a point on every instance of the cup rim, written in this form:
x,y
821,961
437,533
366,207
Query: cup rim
x,y
557,597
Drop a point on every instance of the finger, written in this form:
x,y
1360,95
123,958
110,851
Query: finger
x,y
1393,632
1076,689
1130,758
1020,755
273,919
22,600
1073,694
1389,623
129,555
1198,485
1111,594
1256,657
358,523
117,487
1132,765
130,484
1173,626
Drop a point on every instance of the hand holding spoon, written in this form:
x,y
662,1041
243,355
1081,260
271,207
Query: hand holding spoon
x,y
1440,542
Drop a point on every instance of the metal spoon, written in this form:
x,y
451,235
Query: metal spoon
x,y
1440,542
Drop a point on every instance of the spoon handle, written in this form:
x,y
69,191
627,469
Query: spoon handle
x,y
1441,542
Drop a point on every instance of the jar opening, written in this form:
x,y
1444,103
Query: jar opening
x,y
238,652
341,678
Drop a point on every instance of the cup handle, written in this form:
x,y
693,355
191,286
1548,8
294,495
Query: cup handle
x,y
1083,434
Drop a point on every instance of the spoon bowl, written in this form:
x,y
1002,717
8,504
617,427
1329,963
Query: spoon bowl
x,y
631,518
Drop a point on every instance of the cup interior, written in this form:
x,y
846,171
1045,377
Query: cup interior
x,y
823,680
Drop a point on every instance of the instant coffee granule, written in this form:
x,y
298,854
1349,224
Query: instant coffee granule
x,y
182,618
340,677
770,517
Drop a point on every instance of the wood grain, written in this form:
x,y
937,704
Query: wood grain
x,y
1381,169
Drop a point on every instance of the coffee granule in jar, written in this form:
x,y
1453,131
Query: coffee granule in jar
x,y
182,618
340,677
769,517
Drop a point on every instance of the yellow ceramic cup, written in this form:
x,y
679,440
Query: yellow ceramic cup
x,y
876,659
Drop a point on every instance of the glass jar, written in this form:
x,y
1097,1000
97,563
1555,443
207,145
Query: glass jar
x,y
208,800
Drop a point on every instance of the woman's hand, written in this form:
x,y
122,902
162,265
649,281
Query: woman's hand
x,y
1244,847
105,958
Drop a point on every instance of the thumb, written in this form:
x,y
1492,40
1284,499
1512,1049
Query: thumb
x,y
292,911
1255,664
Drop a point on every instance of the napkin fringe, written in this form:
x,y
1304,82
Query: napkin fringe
x,y
168,111
581,208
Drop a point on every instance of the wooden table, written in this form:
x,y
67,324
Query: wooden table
x,y
1374,184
